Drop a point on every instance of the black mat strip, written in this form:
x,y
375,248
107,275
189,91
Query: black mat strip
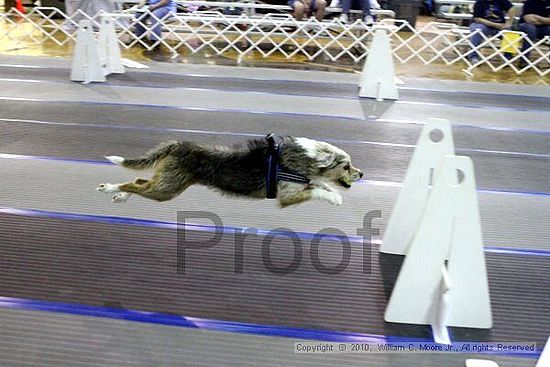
x,y
136,268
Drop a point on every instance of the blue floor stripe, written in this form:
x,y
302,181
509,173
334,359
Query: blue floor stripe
x,y
216,325
197,323
468,126
462,105
363,181
227,230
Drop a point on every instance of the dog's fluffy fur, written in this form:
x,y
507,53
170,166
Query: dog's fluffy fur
x,y
238,170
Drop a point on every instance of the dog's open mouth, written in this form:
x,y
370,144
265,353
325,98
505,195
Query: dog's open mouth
x,y
344,183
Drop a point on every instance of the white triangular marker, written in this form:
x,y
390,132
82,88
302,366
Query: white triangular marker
x,y
544,360
450,224
109,49
86,64
412,198
378,76
480,363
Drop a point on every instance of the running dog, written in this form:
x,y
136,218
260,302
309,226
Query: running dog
x,y
239,170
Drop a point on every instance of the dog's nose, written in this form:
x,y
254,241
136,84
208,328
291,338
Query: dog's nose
x,y
360,174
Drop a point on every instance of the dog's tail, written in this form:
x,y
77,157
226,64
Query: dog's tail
x,y
149,159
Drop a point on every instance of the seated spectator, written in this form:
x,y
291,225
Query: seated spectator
x,y
365,5
535,21
161,10
489,18
308,7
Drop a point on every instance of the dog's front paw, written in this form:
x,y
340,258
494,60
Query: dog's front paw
x,y
331,197
107,188
335,199
121,197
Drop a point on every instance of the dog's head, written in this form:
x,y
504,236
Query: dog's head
x,y
330,163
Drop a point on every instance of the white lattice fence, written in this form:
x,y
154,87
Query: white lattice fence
x,y
280,34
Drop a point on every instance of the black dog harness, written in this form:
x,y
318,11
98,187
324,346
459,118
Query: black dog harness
x,y
275,173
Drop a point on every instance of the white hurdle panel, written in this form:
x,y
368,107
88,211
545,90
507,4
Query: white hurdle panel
x,y
93,60
443,279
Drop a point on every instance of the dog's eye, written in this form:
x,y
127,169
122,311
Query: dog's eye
x,y
347,166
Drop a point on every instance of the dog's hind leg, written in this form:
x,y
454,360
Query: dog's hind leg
x,y
167,183
120,197
154,189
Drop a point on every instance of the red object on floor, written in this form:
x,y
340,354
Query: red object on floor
x,y
19,6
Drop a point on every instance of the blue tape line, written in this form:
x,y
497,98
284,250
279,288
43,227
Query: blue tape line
x,y
95,311
230,230
214,325
467,126
543,99
477,107
197,323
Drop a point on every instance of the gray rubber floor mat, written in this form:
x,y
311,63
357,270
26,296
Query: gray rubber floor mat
x,y
496,171
290,87
70,188
224,123
184,98
37,339
70,244
161,270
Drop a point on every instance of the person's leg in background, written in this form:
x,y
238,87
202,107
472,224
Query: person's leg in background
x,y
367,17
543,31
476,38
299,9
346,6
534,33
319,6
139,28
531,31
158,15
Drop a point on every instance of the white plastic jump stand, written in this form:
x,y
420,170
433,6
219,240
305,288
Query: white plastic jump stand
x,y
427,291
435,142
86,66
378,76
544,360
109,49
